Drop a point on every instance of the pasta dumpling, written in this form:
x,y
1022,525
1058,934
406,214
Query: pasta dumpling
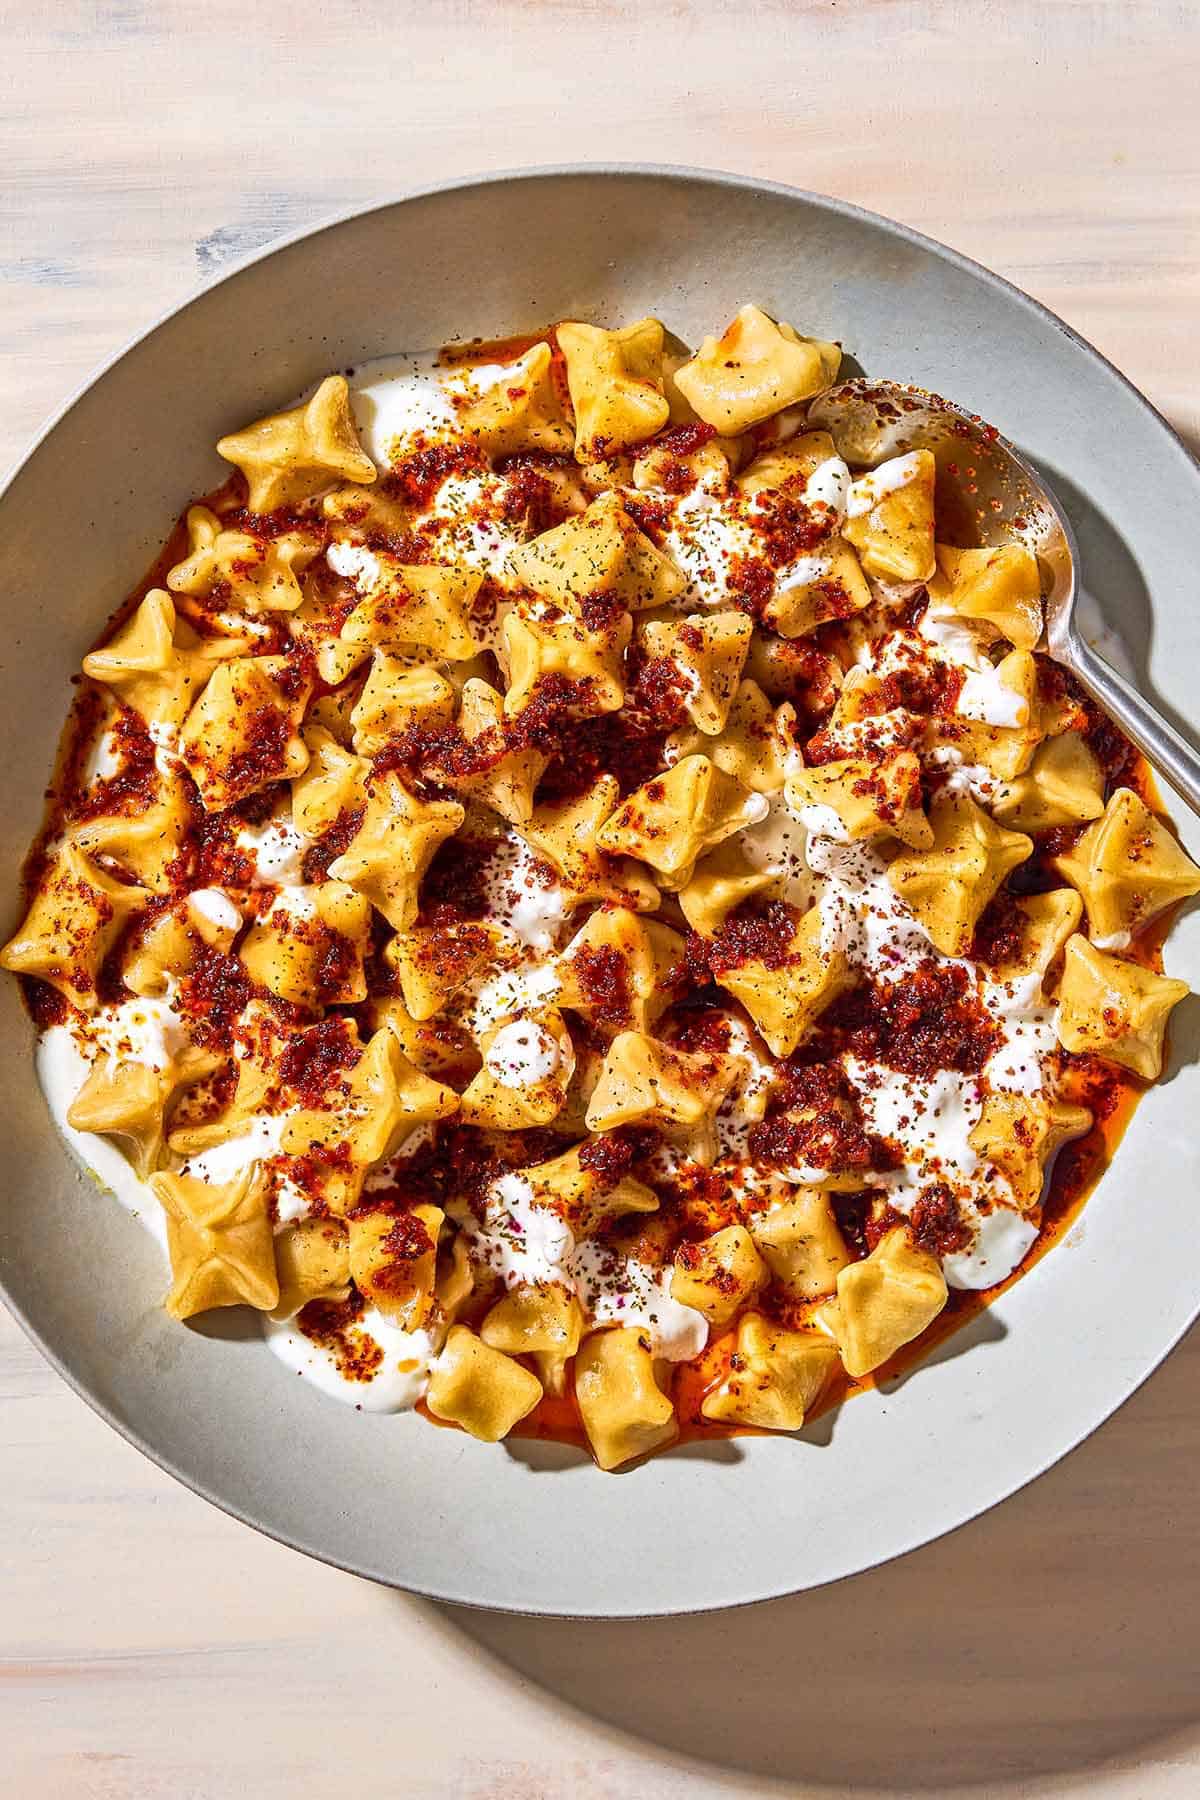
x,y
521,411
599,552
678,815
1127,868
616,385
289,457
1115,1009
243,732
220,1243
77,913
755,368
775,1376
890,518
884,1301
1000,588
948,886
717,1275
480,1389
624,1411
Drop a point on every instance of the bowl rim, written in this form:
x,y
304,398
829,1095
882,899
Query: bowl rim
x,y
688,174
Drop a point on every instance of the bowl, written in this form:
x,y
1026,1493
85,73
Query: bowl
x,y
533,1527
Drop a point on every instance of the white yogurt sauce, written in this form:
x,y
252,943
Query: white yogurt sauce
x,y
277,851
521,1053
398,1383
869,489
1003,1239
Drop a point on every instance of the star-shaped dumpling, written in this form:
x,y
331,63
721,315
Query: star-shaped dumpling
x,y
678,815
156,665
523,410
579,1186
754,744
144,835
601,551
645,1082
1032,936
616,385
785,979
482,765
333,783
219,1240
258,574
435,962
947,887
129,1101
312,1258
75,917
1128,867
581,669
394,845
398,698
1115,1009
890,518
775,1376
718,1274
564,834
860,797
624,1411
1000,588
720,883
709,651
291,456
613,972
1063,785
393,1257
528,1062
1022,1133
427,605
754,369
378,1104
884,1301
243,733
816,589
309,946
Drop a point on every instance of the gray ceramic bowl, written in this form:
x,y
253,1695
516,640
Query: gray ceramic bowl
x,y
533,1528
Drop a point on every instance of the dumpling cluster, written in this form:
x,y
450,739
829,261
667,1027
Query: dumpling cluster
x,y
495,879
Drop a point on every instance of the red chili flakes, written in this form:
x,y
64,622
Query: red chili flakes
x,y
416,478
931,1019
750,584
786,527
134,787
754,934
659,692
603,975
936,1224
334,1326
45,1005
313,1060
1000,932
652,517
929,687
335,842
457,882
215,992
609,1156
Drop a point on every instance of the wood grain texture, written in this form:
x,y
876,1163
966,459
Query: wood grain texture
x,y
149,1646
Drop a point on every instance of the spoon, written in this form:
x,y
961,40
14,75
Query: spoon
x,y
987,494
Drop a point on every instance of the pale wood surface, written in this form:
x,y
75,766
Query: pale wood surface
x,y
149,1645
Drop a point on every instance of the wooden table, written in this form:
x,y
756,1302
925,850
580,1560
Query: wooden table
x,y
149,1646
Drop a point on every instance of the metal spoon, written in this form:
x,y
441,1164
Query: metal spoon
x,y
987,494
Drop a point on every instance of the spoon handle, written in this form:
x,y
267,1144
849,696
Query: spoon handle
x,y
1159,742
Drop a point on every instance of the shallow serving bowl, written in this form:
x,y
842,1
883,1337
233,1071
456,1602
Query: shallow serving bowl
x,y
532,1527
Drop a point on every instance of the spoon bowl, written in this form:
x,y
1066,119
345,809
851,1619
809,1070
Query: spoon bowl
x,y
987,494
